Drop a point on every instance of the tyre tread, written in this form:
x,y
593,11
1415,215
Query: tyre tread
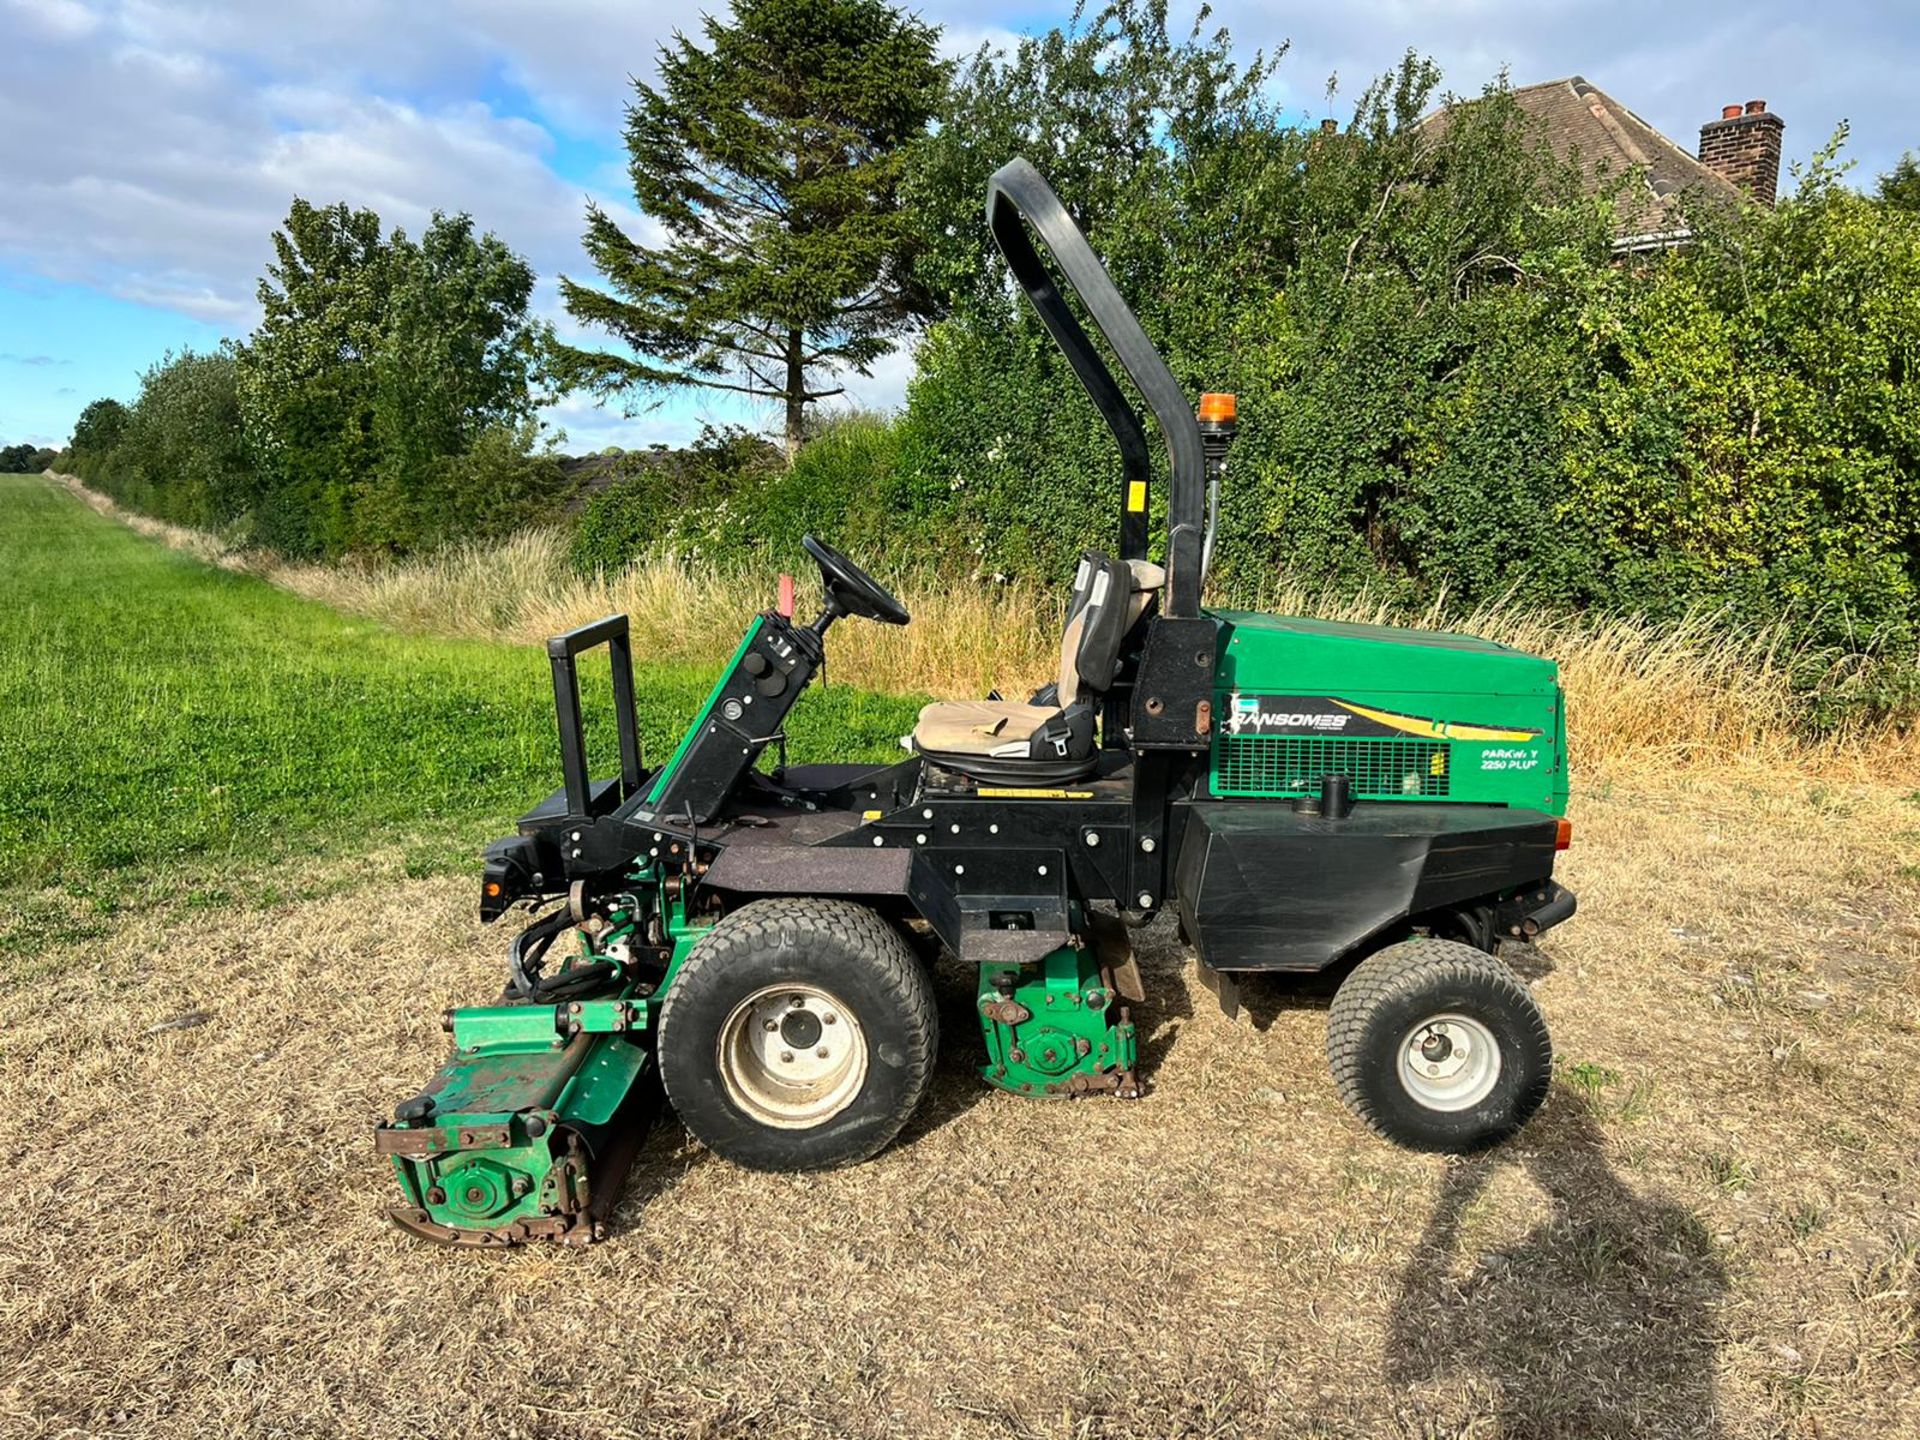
x,y
1375,980
759,923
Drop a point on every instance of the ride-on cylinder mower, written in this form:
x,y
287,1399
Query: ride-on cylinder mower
x,y
1303,796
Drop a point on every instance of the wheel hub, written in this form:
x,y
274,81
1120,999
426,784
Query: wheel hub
x,y
792,1056
1449,1062
801,1028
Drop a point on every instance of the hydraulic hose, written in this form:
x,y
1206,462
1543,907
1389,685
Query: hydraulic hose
x,y
525,958
529,948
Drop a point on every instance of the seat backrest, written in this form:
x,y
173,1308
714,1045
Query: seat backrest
x,y
1145,578
1099,612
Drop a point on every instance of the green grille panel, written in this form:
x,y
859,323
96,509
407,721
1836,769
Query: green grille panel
x,y
1293,765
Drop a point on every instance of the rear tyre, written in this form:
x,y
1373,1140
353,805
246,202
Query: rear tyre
x,y
799,1035
1438,1046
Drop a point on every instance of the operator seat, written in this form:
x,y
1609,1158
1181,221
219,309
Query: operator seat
x,y
1049,738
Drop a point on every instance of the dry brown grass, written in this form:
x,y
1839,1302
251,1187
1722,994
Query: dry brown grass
x,y
1712,1230
1641,698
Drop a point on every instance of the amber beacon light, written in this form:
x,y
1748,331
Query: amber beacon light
x,y
1217,408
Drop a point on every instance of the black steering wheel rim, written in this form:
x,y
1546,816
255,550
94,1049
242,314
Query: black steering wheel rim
x,y
850,590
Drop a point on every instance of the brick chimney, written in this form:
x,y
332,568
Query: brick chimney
x,y
1744,146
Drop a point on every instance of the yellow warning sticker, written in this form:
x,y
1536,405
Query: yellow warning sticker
x,y
986,794
1136,496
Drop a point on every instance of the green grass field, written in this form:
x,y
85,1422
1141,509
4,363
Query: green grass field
x,y
173,730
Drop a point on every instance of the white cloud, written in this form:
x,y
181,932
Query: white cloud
x,y
157,173
150,146
56,19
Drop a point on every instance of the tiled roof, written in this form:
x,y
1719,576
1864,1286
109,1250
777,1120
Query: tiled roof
x,y
1584,123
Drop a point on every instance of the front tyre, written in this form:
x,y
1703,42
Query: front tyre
x,y
1438,1046
799,1035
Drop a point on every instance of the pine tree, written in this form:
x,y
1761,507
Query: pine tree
x,y
771,161
1900,187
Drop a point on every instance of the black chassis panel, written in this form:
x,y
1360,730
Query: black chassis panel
x,y
981,864
1262,887
961,861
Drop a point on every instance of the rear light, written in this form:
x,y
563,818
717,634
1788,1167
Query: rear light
x,y
1562,833
784,605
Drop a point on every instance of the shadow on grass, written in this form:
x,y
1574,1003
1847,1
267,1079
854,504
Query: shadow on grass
x,y
1597,1323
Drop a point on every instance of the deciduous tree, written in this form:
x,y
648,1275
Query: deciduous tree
x,y
376,358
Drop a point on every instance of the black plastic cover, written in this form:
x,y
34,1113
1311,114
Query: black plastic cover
x,y
1261,887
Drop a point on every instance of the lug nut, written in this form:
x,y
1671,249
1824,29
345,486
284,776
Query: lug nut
x,y
828,1018
786,1057
821,1052
770,1024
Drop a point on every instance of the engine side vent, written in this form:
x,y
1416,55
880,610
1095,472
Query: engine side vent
x,y
1380,769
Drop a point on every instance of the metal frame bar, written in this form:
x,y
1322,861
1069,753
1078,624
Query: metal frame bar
x,y
562,653
1016,192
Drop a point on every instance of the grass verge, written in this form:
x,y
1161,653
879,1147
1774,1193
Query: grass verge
x,y
170,728
1642,699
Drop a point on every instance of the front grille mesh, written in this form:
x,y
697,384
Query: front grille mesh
x,y
1293,765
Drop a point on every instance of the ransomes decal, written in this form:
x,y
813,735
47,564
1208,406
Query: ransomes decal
x,y
1284,715
1324,715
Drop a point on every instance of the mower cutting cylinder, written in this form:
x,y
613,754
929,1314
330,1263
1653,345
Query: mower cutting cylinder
x,y
1056,1028
527,1132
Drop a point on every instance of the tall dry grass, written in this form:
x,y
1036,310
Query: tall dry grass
x,y
1704,693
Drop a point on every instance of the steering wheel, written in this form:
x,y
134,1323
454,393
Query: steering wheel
x,y
850,590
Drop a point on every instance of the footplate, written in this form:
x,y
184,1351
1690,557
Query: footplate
x,y
526,1133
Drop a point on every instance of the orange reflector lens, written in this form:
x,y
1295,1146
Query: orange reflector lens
x,y
1563,834
1216,407
493,889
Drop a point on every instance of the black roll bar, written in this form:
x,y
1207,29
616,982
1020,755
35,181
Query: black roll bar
x,y
1017,191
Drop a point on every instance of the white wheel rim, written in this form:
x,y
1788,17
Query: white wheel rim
x,y
792,1056
1449,1062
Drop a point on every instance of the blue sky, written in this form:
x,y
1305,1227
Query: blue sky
x,y
149,148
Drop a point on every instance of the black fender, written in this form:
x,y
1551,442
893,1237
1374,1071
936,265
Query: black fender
x,y
1261,886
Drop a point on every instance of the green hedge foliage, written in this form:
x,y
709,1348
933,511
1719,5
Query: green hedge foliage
x,y
384,404
1450,383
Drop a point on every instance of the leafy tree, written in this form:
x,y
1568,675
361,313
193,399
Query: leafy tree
x,y
1385,298
306,374
772,161
1900,186
99,428
184,456
454,371
19,459
1111,107
377,358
